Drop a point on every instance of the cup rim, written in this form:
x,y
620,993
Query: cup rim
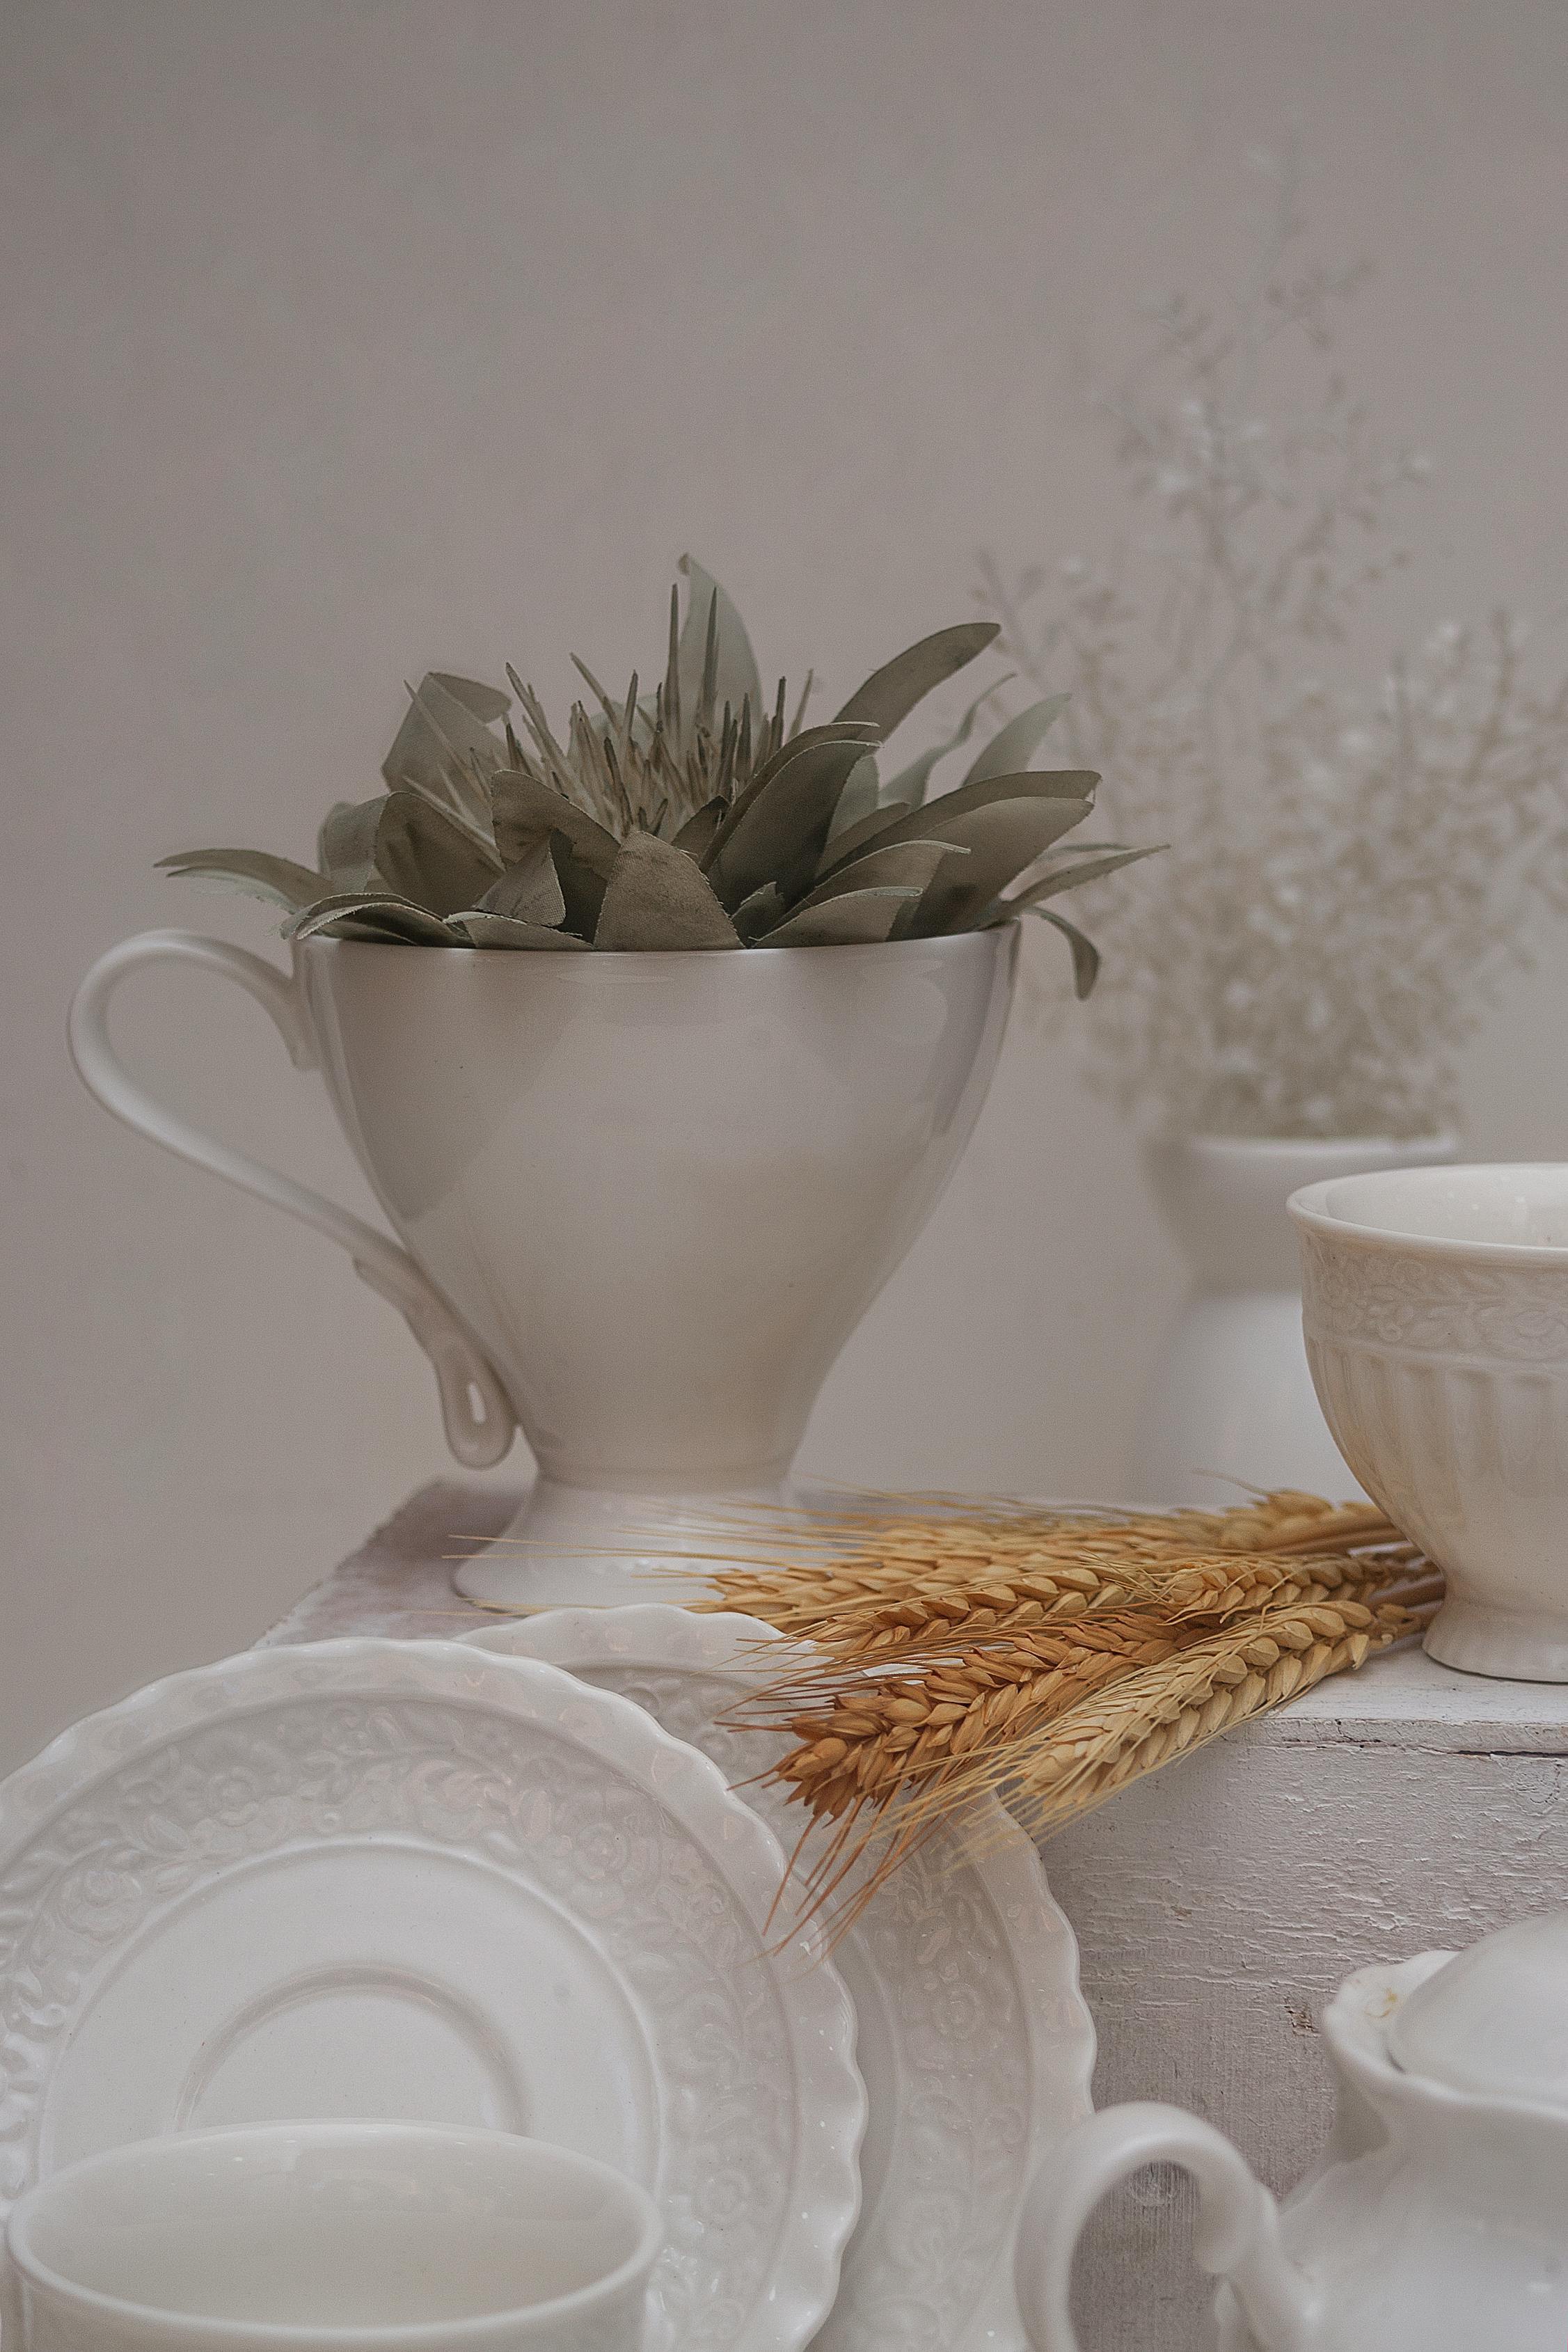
x,y
1309,1207
279,2335
642,959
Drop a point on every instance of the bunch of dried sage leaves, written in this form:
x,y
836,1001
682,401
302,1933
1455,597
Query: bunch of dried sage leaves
x,y
693,818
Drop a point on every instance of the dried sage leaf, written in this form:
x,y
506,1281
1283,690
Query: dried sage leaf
x,y
380,915
901,866
1003,837
695,836
1072,787
842,847
528,892
426,855
442,733
861,798
912,783
858,734
525,813
890,693
1013,746
779,834
581,886
759,912
346,845
1085,954
279,880
657,897
485,703
1069,877
863,918
485,930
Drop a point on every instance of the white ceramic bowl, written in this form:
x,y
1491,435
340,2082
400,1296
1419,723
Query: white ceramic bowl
x,y
1434,1306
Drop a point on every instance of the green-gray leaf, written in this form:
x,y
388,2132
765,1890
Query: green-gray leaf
x,y
485,703
485,930
1072,788
695,836
903,866
442,733
425,855
528,892
1003,837
890,693
859,799
346,845
863,918
1014,745
582,886
736,676
759,912
842,847
528,812
778,835
1085,954
380,915
911,783
658,897
1070,878
857,732
279,880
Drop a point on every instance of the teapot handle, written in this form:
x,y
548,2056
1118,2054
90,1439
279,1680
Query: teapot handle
x,y
1237,2237
478,1412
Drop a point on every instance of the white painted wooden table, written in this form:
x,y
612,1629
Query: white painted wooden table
x,y
1217,1905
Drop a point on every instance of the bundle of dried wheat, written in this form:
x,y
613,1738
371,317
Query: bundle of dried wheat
x,y
1053,1657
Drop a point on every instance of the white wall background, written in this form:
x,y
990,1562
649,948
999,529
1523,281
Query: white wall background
x,y
349,336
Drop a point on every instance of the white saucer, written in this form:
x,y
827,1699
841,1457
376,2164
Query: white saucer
x,y
403,1879
974,2039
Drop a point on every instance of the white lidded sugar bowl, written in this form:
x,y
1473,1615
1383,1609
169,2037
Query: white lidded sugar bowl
x,y
1436,2218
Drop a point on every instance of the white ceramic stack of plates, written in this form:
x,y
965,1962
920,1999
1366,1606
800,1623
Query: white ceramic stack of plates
x,y
500,1881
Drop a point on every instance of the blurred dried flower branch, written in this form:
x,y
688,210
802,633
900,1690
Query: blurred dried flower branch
x,y
1355,864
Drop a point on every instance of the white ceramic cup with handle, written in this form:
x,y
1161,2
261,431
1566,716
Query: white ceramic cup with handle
x,y
331,2237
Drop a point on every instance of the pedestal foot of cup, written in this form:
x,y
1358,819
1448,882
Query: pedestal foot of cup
x,y
582,1546
1521,1646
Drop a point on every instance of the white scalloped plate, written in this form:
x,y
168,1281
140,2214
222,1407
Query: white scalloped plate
x,y
401,1879
974,2039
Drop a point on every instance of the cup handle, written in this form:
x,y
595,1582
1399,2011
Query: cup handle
x,y
1237,2237
478,1412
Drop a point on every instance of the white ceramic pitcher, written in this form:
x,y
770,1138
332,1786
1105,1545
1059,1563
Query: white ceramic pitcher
x,y
1437,2220
642,1200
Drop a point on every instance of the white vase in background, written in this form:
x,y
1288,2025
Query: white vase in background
x,y
1231,1397
642,1200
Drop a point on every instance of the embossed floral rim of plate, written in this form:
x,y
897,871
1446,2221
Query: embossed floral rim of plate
x,y
974,2040
401,1879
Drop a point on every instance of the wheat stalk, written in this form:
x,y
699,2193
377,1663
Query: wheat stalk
x,y
911,1582
1050,1658
1157,1714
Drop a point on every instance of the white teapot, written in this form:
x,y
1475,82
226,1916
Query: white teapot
x,y
1437,2220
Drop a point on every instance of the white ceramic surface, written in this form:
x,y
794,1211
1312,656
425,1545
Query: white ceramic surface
x,y
1229,1396
644,1200
1435,1304
404,1880
1436,2218
974,2040
358,2237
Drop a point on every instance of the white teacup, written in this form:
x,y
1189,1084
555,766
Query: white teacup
x,y
1435,1304
331,2237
